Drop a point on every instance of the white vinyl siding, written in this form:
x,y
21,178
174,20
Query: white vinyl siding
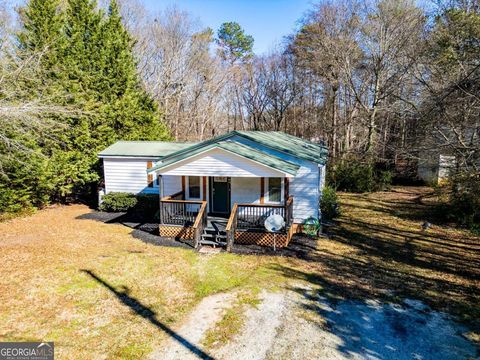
x,y
218,162
305,187
130,175
306,192
171,185
126,175
245,190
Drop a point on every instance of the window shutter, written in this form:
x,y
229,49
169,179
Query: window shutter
x,y
150,176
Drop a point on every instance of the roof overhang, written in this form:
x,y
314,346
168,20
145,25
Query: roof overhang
x,y
136,157
226,160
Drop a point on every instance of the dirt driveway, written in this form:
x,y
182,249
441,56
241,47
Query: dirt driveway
x,y
301,324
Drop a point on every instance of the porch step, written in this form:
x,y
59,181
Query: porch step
x,y
213,237
213,231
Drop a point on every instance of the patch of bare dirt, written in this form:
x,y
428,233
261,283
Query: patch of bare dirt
x,y
184,344
302,324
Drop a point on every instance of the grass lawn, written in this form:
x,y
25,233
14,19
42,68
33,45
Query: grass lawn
x,y
98,292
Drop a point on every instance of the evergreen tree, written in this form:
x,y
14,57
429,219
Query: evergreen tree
x,y
42,25
134,114
88,65
234,43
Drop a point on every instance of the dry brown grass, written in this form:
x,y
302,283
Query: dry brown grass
x,y
377,250
45,295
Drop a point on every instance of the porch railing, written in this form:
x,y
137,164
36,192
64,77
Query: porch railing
x,y
252,217
179,212
177,196
200,223
231,227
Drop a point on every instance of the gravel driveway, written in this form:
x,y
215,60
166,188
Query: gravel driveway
x,y
300,324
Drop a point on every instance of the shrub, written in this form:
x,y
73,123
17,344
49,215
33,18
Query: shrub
x,y
118,201
329,203
465,200
355,176
142,206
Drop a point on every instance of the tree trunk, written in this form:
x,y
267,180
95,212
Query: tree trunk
x,y
334,122
371,132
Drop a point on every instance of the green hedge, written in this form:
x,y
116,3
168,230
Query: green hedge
x,y
145,206
118,202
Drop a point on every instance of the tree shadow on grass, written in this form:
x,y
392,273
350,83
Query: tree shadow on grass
x,y
419,251
369,319
146,231
377,274
149,315
374,254
415,204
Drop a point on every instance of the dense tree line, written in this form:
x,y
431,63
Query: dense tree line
x,y
379,79
381,82
70,88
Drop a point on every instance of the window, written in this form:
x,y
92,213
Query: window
x,y
194,187
274,189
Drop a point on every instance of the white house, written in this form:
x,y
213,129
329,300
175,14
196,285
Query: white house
x,y
243,176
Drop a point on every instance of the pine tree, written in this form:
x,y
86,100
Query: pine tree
x,y
42,25
89,65
134,114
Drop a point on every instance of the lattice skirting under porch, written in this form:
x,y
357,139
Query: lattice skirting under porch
x,y
177,232
264,238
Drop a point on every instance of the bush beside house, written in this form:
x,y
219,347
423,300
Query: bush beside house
x,y
329,203
118,202
144,206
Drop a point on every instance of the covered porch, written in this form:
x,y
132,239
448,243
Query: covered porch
x,y
216,220
221,198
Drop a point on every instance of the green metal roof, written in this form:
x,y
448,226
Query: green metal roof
x,y
156,149
276,140
172,152
289,144
259,156
234,147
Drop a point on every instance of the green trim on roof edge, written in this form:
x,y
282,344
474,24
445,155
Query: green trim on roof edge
x,y
235,148
303,149
151,149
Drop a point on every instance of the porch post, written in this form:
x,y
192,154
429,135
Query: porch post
x,y
262,190
204,188
183,187
286,190
160,194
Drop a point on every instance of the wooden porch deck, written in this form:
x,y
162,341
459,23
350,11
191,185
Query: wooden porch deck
x,y
188,220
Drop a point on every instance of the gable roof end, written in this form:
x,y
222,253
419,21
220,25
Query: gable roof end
x,y
235,148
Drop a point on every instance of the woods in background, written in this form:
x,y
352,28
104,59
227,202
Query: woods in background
x,y
375,79
381,82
